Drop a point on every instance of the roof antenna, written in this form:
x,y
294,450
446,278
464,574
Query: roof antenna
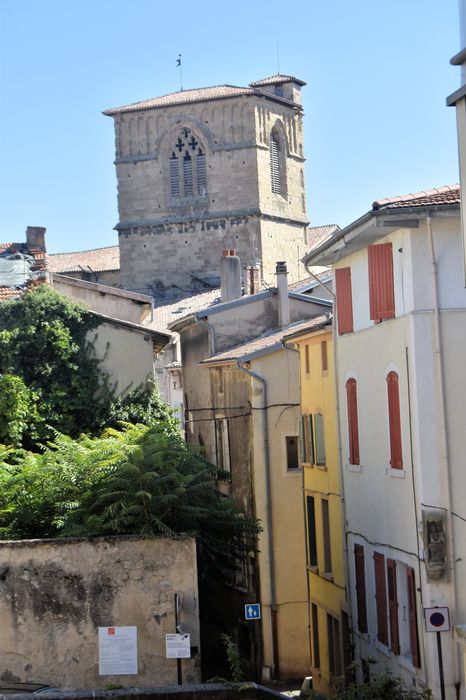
x,y
178,65
278,58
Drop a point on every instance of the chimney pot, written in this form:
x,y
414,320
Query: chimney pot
x,y
230,276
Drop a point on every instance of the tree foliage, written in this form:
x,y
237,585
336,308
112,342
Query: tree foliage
x,y
43,343
136,480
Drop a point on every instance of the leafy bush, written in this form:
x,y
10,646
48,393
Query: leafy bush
x,y
382,686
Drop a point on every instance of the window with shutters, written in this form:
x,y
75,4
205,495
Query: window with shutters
x,y
394,421
323,354
306,437
326,536
187,167
315,635
353,429
311,531
344,300
381,286
381,598
393,606
334,646
319,439
360,576
222,438
277,164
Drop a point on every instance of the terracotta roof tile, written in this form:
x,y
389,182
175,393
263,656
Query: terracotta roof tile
x,y
183,97
9,293
324,277
448,194
172,311
318,234
96,260
278,79
265,343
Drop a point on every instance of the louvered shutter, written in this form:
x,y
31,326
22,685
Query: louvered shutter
x,y
320,439
393,606
201,174
310,441
353,428
381,598
394,419
360,587
302,439
311,531
381,289
174,177
344,300
274,165
413,631
188,175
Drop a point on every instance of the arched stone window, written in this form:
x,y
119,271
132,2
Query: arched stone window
x,y
277,164
188,176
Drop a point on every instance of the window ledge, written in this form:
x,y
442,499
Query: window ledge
x,y
327,575
382,648
396,473
313,569
354,467
322,467
407,663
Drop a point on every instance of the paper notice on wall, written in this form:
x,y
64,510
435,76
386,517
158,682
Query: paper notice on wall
x,y
118,651
178,646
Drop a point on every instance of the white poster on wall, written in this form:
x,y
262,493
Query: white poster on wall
x,y
118,651
178,646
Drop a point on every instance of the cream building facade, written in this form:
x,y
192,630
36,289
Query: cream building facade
x,y
201,171
401,333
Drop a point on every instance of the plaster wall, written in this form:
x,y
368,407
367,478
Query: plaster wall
x,y
102,300
281,371
55,594
126,355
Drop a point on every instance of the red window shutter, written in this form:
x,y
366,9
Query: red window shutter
x,y
413,631
393,606
344,300
353,429
394,420
381,289
381,598
360,587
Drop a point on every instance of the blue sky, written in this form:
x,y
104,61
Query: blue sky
x,y
376,123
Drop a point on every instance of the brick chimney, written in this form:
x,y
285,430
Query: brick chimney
x,y
252,281
283,300
230,275
35,237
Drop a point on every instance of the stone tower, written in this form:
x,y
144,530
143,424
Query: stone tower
x,y
204,170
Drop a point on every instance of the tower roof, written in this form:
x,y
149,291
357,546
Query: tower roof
x,y
216,92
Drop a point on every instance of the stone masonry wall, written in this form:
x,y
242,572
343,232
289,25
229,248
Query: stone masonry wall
x,y
163,239
55,594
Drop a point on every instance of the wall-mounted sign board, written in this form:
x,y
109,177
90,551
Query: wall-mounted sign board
x,y
118,651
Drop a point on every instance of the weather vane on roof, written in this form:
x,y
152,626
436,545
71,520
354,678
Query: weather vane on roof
x,y
178,64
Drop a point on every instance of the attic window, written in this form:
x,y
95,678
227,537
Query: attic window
x,y
187,166
279,90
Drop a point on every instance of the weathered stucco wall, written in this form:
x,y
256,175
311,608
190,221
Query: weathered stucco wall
x,y
55,594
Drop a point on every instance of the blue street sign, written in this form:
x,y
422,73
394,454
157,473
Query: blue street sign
x,y
252,611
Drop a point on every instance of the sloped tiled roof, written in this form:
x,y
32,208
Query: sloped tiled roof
x,y
265,343
278,79
317,234
324,277
9,293
40,257
448,194
183,97
169,312
96,260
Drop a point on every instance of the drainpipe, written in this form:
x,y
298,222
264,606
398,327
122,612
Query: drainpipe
x,y
438,351
316,279
269,518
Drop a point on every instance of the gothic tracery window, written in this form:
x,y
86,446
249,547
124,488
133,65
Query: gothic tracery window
x,y
188,177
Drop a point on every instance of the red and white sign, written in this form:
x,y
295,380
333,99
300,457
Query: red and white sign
x,y
437,619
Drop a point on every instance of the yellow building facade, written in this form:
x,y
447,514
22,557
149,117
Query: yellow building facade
x,y
327,604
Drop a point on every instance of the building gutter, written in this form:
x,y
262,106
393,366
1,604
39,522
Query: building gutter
x,y
438,353
269,519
